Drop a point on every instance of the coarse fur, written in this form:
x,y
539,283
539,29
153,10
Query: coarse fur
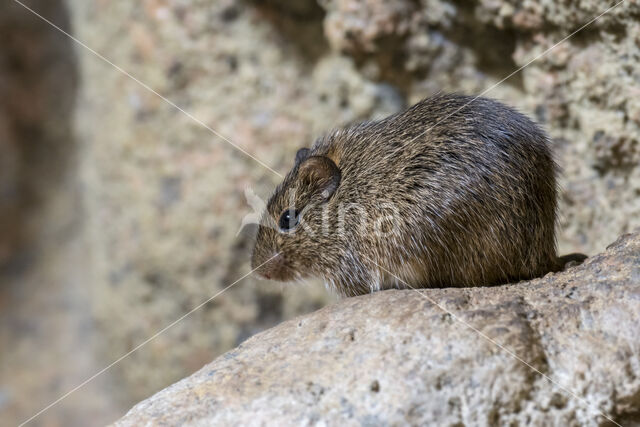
x,y
454,191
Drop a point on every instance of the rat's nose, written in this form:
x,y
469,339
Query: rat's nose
x,y
273,267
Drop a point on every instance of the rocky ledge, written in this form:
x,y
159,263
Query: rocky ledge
x,y
562,350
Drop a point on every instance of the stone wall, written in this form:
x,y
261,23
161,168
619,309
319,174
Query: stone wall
x,y
46,324
163,197
166,196
38,80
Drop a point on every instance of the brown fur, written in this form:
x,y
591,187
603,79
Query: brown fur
x,y
473,188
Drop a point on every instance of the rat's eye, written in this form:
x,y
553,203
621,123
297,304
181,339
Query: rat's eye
x,y
288,220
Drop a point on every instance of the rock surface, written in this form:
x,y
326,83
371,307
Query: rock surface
x,y
396,357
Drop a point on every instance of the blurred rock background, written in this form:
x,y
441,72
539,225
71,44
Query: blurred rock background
x,y
119,213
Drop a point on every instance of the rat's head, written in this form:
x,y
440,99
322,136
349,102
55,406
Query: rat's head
x,y
290,237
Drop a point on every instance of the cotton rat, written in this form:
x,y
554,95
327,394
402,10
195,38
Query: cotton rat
x,y
454,191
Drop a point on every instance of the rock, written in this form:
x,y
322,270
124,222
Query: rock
x,y
45,307
353,26
38,81
395,357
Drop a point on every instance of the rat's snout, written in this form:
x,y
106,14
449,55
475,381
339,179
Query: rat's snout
x,y
273,267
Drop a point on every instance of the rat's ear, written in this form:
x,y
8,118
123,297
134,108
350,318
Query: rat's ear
x,y
302,155
321,174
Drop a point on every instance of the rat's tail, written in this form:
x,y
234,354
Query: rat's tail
x,y
570,260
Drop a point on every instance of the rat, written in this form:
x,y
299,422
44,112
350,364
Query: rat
x,y
454,191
